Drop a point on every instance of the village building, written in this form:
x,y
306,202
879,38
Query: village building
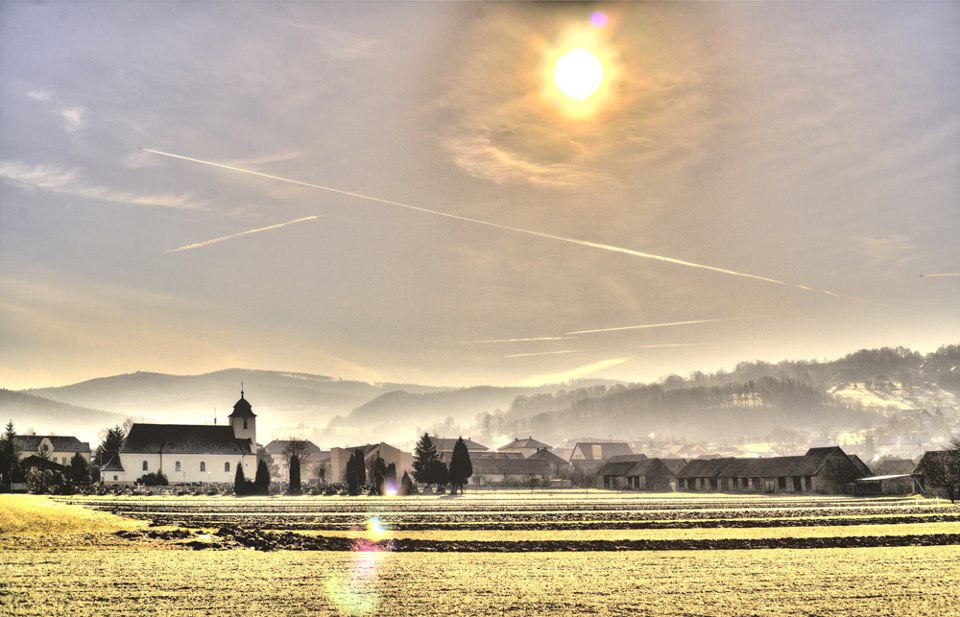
x,y
589,456
889,466
559,467
59,449
310,458
821,470
187,453
339,457
527,447
510,471
444,446
637,472
890,484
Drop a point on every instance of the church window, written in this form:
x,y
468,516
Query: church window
x,y
203,466
244,423
226,466
177,466
145,465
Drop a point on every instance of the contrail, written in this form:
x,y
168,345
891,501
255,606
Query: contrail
x,y
519,340
544,353
529,232
940,274
650,325
197,245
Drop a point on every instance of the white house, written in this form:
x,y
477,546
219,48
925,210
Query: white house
x,y
59,449
187,453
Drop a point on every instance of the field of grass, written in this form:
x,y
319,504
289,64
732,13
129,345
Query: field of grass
x,y
58,557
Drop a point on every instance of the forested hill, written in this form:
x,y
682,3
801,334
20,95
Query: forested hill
x,y
753,400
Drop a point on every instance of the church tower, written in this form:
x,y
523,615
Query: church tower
x,y
244,421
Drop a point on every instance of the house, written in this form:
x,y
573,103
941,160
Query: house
x,y
558,466
311,456
825,470
510,472
57,449
371,451
188,453
444,446
589,456
527,447
889,466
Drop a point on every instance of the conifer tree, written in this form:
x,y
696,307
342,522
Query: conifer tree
x,y
9,456
294,475
460,466
261,483
240,481
406,486
79,469
423,460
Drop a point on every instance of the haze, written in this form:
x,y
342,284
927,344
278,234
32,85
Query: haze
x,y
816,145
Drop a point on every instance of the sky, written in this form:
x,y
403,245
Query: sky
x,y
807,154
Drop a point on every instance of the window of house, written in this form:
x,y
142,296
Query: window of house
x,y
114,478
203,466
176,466
226,466
145,465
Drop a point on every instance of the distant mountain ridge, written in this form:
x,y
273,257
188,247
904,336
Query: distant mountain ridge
x,y
48,417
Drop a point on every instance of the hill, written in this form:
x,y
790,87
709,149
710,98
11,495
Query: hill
x,y
47,417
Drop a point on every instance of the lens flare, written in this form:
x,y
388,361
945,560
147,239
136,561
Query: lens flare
x,y
354,592
598,19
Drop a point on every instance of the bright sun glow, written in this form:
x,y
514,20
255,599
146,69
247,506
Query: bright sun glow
x,y
578,73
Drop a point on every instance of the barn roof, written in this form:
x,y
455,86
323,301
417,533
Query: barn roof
x,y
511,466
860,465
446,443
889,466
547,455
184,439
518,443
35,462
674,464
620,465
704,468
608,449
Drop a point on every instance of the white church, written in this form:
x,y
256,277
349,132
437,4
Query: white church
x,y
187,453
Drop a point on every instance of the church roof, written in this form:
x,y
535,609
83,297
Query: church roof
x,y
242,408
113,464
184,439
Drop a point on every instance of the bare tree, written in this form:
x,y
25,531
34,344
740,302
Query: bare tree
x,y
942,469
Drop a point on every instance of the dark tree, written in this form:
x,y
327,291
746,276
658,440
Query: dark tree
x,y
356,472
79,470
437,474
110,444
294,475
153,479
240,484
261,484
423,459
942,469
406,486
264,457
377,474
460,466
9,457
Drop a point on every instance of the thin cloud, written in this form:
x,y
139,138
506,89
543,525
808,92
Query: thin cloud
x,y
651,325
39,95
519,340
934,275
73,118
197,245
539,234
481,158
71,182
576,373
544,353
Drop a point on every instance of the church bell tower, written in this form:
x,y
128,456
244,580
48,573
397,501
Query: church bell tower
x,y
244,421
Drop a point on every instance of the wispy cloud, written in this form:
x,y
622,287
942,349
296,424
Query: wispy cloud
x,y
482,158
585,243
519,340
934,275
72,182
576,373
544,353
650,325
39,95
73,118
198,245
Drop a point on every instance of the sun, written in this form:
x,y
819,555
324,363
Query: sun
x,y
578,74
